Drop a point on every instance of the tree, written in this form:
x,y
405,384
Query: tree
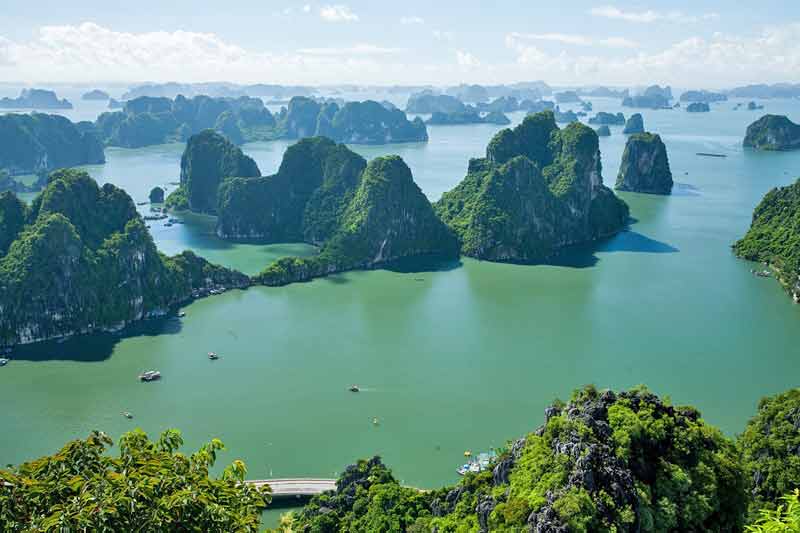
x,y
150,486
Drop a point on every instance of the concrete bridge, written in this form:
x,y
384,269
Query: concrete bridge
x,y
298,487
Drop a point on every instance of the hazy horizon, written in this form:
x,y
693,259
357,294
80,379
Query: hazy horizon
x,y
700,44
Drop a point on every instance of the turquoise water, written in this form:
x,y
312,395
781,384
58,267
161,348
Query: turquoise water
x,y
461,358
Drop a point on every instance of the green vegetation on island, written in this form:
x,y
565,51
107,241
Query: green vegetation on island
x,y
645,166
773,133
38,143
653,97
387,220
156,195
538,189
80,259
208,159
774,236
147,486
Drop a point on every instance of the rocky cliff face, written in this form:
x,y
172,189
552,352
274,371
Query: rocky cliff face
x,y
387,219
774,236
645,166
303,201
84,261
38,143
773,132
538,189
634,124
208,160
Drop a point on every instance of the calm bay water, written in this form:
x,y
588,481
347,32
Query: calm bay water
x,y
461,358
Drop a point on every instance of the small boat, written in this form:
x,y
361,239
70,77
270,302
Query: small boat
x,y
467,453
4,361
213,356
168,225
354,388
150,375
463,469
127,415
181,314
708,154
375,421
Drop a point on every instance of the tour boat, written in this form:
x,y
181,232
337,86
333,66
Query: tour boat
x,y
354,388
127,415
181,314
213,355
3,361
150,375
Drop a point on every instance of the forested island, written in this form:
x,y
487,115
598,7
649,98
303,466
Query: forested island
x,y
80,259
698,107
654,97
774,236
702,96
35,99
773,133
538,189
634,124
469,116
625,461
645,165
608,119
37,143
148,120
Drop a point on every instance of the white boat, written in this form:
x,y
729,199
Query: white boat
x,y
150,375
4,361
213,356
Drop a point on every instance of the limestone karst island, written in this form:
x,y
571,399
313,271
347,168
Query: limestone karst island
x,y
359,267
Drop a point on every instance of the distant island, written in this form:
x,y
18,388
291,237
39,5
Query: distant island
x,y
536,191
654,97
608,119
698,107
778,90
634,124
567,97
703,96
35,99
38,143
603,131
565,117
95,94
772,133
80,259
774,236
470,116
146,120
428,102
645,166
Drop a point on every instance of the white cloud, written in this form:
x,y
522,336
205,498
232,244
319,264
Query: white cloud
x,y
90,52
465,59
412,20
612,12
307,8
338,13
572,39
723,60
362,49
441,35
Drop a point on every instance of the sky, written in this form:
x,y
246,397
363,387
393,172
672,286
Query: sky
x,y
691,44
